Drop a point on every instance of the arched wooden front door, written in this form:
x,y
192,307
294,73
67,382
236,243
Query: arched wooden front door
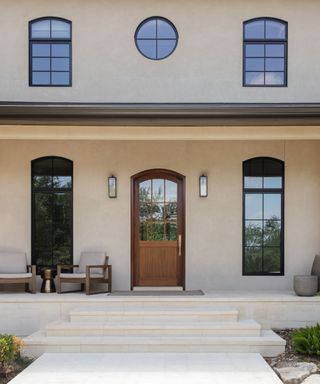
x,y
158,229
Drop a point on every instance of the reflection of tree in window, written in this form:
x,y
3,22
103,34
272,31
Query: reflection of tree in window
x,y
158,210
52,211
263,216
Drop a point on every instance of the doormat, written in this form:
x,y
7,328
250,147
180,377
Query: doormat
x,y
198,292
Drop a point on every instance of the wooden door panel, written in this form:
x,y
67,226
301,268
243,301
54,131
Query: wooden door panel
x,y
158,263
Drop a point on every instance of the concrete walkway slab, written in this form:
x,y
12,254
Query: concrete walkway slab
x,y
147,368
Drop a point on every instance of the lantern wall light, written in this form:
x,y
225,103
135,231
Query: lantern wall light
x,y
203,186
112,187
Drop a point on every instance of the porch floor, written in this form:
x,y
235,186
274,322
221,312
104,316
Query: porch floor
x,y
178,368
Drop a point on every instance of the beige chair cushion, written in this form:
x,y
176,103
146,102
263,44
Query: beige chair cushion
x,y
13,262
92,258
15,275
80,275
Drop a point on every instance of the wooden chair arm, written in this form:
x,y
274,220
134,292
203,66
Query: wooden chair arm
x,y
103,267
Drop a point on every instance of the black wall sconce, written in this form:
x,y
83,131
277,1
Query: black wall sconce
x,y
203,186
112,187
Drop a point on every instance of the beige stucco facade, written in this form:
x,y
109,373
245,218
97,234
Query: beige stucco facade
x,y
206,66
213,224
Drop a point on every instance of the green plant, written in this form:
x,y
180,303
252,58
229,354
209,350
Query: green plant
x,y
10,347
307,340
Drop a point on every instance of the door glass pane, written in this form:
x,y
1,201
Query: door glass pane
x,y
171,191
171,212
253,206
158,190
158,211
145,191
171,231
157,230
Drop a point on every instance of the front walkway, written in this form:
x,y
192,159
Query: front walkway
x,y
146,368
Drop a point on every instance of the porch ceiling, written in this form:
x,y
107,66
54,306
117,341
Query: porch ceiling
x,y
159,114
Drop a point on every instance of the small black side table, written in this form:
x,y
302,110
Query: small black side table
x,y
48,275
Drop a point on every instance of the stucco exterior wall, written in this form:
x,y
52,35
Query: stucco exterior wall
x,y
206,66
213,225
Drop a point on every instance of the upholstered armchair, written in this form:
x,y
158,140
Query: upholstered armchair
x,y
93,268
15,270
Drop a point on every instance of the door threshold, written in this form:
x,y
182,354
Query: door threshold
x,y
175,288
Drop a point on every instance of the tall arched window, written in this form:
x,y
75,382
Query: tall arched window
x,y
265,43
263,216
52,212
50,52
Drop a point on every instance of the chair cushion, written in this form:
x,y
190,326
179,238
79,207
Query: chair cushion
x,y
13,262
81,275
91,258
15,275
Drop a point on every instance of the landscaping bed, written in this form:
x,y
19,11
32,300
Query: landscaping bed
x,y
294,367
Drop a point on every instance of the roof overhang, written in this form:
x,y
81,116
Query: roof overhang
x,y
159,114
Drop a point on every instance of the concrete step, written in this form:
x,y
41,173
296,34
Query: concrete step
x,y
227,328
268,344
156,315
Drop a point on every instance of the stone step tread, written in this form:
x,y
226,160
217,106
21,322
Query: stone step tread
x,y
152,311
266,338
241,324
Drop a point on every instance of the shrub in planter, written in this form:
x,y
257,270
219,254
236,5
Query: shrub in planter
x,y
10,347
307,340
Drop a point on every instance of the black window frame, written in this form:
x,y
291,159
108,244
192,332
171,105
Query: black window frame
x,y
264,42
50,41
156,18
263,191
49,190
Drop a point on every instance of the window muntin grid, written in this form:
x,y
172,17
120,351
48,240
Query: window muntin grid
x,y
263,210
265,52
50,52
156,38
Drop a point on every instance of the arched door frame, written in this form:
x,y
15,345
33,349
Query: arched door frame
x,y
135,180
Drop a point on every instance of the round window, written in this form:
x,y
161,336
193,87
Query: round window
x,y
156,38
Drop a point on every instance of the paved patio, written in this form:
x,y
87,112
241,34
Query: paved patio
x,y
172,368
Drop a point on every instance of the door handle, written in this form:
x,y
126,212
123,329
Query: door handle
x,y
180,244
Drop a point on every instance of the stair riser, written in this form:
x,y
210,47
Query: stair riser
x,y
128,318
266,351
154,332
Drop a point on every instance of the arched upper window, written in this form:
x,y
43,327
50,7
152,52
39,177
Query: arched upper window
x,y
50,52
263,211
265,44
156,38
52,213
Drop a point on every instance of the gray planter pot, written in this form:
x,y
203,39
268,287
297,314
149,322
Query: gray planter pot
x,y
315,271
305,285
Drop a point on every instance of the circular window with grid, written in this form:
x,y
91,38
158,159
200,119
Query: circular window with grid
x,y
156,38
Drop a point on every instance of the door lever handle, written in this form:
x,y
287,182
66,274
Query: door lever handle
x,y
180,244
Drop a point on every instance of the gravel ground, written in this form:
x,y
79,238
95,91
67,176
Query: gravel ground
x,y
290,356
